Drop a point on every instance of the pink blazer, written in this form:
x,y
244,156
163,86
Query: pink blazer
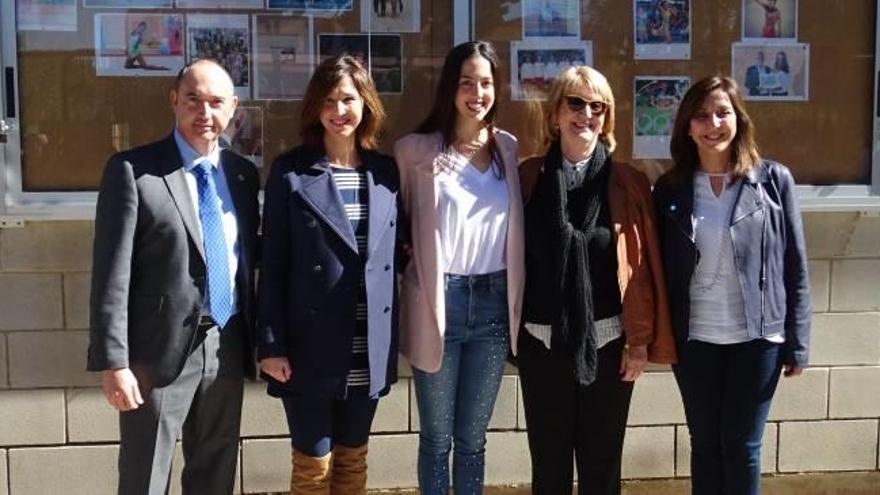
x,y
422,298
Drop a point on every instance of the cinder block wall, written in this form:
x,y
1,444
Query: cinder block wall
x,y
58,436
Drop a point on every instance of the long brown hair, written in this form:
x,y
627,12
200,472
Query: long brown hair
x,y
744,153
327,75
443,113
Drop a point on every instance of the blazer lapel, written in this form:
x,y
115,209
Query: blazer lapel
x,y
681,209
320,193
381,202
175,179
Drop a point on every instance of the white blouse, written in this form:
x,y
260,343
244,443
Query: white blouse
x,y
472,217
717,311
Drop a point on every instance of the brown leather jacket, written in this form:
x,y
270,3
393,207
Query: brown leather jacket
x,y
645,316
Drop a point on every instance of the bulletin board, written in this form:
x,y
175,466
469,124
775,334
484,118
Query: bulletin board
x,y
826,138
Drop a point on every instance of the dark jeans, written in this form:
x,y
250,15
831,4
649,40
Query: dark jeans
x,y
457,401
565,419
726,390
317,424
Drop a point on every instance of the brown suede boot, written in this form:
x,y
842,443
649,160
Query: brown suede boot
x,y
310,475
349,470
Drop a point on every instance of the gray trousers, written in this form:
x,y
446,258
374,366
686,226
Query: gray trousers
x,y
204,403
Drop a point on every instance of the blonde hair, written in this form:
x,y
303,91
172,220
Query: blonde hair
x,y
578,77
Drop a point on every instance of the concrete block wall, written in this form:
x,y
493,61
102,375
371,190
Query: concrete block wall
x,y
52,413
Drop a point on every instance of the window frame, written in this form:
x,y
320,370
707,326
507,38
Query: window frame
x,y
16,204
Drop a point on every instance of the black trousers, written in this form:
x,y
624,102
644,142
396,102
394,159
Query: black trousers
x,y
565,419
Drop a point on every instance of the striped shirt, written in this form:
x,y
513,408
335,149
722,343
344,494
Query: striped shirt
x,y
352,186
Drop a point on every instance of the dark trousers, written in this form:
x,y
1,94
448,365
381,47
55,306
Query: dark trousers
x,y
727,390
204,403
317,424
565,419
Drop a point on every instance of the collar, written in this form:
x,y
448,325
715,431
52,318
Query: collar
x,y
191,157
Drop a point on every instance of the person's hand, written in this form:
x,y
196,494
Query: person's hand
x,y
121,389
790,370
276,367
633,361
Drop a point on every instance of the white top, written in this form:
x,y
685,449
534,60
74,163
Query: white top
x,y
473,212
717,312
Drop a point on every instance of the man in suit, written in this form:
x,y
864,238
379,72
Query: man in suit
x,y
173,294
754,74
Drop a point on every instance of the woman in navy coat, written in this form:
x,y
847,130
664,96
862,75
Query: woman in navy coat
x,y
328,298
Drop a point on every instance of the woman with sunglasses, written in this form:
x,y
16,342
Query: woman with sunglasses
x,y
462,289
739,291
595,304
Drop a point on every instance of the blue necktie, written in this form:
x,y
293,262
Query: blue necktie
x,y
219,288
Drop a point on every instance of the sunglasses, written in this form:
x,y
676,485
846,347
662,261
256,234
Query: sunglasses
x,y
577,104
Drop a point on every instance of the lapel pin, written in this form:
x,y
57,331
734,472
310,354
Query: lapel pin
x,y
240,178
673,207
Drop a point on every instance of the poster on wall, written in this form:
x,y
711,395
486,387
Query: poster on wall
x,y
770,20
46,15
534,64
129,4
225,39
283,56
135,45
244,135
312,6
381,53
656,101
772,72
220,4
662,29
551,18
391,16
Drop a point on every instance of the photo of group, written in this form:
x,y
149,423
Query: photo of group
x,y
381,53
135,44
656,101
46,15
771,71
282,56
225,39
551,18
317,6
244,135
534,64
220,4
391,16
768,20
662,29
129,4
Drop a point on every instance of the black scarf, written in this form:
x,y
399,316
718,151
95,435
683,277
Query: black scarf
x,y
573,329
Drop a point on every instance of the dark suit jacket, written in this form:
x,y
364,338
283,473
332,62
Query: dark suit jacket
x,y
148,272
309,281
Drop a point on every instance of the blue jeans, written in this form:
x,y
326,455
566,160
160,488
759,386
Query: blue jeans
x,y
727,390
457,401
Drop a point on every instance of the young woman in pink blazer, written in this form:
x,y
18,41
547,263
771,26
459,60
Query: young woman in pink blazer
x,y
462,289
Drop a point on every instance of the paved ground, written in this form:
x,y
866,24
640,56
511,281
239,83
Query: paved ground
x,y
796,484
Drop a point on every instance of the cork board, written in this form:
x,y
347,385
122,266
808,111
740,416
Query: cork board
x,y
825,140
72,120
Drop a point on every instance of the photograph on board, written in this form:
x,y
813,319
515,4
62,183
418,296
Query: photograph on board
x,y
772,71
220,4
46,15
224,39
382,54
534,64
244,135
768,20
129,4
662,29
135,45
656,101
551,18
283,56
313,6
391,16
